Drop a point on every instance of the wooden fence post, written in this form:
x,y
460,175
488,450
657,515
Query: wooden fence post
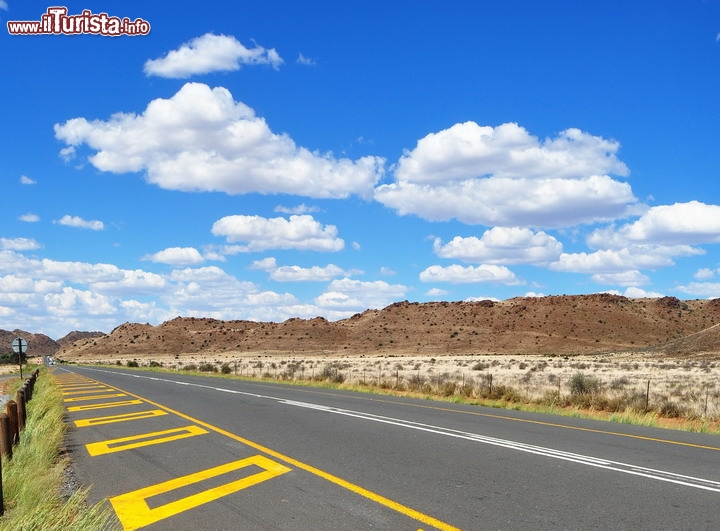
x,y
2,499
21,409
5,436
12,411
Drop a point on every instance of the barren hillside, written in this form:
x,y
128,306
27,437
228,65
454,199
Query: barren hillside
x,y
38,344
546,325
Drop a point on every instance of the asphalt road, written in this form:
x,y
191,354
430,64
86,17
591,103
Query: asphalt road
x,y
179,452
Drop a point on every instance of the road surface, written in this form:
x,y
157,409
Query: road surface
x,y
179,452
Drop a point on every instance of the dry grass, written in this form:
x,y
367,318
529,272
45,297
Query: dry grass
x,y
616,385
32,478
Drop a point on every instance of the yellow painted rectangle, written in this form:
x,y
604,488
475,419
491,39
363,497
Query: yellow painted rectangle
x,y
87,390
88,407
93,397
133,511
146,439
135,415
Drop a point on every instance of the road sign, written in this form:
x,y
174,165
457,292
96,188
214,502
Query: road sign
x,y
19,345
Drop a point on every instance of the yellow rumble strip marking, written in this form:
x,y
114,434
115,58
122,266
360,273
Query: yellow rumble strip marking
x,y
145,439
133,511
370,495
88,407
87,391
94,397
120,418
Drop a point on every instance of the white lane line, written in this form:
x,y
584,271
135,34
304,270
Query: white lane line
x,y
615,466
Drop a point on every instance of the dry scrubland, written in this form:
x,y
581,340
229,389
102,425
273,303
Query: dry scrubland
x,y
593,351
612,383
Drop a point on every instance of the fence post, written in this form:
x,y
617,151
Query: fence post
x,y
5,436
12,411
21,409
647,397
30,383
2,499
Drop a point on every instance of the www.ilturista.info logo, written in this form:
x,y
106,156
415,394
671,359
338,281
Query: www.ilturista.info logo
x,y
56,21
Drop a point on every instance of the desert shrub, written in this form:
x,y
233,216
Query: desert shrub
x,y
447,388
225,368
668,408
467,390
619,383
580,384
331,373
154,364
190,367
415,382
480,366
550,398
207,367
132,363
439,379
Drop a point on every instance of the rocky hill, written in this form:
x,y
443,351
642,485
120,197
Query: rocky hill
x,y
76,335
577,324
38,344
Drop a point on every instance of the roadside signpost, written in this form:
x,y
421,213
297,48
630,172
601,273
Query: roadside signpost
x,y
19,346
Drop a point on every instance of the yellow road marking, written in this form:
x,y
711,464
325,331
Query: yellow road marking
x,y
94,397
133,511
377,498
88,407
145,439
136,415
87,391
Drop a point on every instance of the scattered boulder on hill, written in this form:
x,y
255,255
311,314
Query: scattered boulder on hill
x,y
74,336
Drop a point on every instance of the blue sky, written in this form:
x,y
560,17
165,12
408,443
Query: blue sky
x,y
322,158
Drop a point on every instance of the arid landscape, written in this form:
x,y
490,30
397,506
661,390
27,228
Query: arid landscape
x,y
535,346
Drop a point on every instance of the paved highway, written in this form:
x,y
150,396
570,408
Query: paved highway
x,y
178,452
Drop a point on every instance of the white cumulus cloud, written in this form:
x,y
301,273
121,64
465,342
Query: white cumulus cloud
x,y
177,256
457,274
210,53
19,244
295,273
620,260
624,278
504,176
200,139
80,223
260,234
502,245
355,295
29,218
688,223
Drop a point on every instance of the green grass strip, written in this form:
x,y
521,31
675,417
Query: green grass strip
x,y
33,477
